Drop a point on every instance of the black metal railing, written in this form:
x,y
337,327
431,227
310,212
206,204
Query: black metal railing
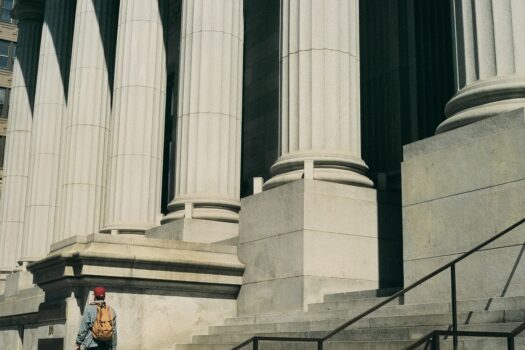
x,y
433,336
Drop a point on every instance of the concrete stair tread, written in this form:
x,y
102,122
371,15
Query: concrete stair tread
x,y
390,328
412,333
504,303
365,294
476,317
357,304
445,344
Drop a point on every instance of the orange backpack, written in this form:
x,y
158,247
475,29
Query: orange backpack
x,y
103,326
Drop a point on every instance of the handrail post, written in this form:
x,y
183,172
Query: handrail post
x,y
510,343
320,345
454,305
255,344
435,342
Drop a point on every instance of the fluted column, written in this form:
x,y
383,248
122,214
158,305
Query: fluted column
x,y
138,118
16,163
89,114
209,111
320,107
48,122
489,60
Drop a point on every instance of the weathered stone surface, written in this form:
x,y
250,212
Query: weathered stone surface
x,y
164,291
305,239
459,189
139,262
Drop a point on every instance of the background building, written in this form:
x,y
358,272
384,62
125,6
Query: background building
x,y
8,38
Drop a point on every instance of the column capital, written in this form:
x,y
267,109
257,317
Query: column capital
x,y
29,10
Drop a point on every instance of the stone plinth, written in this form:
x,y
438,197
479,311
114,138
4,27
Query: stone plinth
x,y
164,291
195,230
306,239
459,189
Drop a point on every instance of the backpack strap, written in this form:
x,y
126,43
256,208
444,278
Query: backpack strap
x,y
99,314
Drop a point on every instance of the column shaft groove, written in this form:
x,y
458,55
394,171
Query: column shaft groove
x,y
48,124
134,187
89,113
18,136
319,102
209,110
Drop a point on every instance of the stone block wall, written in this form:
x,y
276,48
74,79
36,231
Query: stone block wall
x,y
460,188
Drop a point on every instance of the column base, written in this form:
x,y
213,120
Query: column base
x,y
482,100
4,272
207,208
327,166
129,229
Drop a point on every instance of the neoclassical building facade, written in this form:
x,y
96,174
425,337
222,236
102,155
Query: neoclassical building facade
x,y
140,123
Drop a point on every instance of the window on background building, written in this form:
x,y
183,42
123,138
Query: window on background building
x,y
5,10
2,150
4,102
7,54
4,54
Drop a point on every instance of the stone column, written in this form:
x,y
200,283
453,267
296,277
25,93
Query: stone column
x,y
489,60
209,111
16,163
48,122
89,113
133,203
320,107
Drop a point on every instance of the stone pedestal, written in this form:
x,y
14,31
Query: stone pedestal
x,y
461,188
489,59
163,291
306,239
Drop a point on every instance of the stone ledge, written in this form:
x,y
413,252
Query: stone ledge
x,y
138,263
21,304
508,121
140,240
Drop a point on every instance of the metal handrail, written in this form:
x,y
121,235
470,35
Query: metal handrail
x,y
255,340
454,332
434,336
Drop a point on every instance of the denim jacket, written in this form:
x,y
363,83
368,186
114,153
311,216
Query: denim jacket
x,y
85,337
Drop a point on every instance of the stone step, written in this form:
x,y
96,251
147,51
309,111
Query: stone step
x,y
357,305
364,334
445,344
506,303
495,316
364,294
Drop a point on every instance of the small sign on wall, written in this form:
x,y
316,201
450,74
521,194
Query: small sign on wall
x,y
51,344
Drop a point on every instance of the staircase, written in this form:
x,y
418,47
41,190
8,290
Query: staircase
x,y
392,327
